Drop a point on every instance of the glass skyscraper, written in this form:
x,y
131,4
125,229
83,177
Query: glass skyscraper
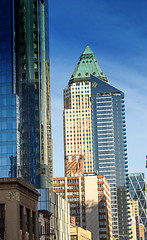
x,y
137,190
25,120
109,148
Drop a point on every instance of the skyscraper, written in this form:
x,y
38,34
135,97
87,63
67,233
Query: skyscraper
x,y
87,126
109,148
77,110
25,121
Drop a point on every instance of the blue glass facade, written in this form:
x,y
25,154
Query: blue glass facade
x,y
43,201
25,144
109,148
137,190
8,99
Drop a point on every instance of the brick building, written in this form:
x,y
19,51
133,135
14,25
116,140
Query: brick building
x,y
90,202
74,165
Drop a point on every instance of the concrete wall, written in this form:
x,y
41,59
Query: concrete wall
x,y
91,203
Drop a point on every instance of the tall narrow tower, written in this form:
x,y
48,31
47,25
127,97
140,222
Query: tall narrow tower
x,y
26,146
94,129
109,148
77,111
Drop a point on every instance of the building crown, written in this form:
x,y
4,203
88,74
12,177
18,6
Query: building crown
x,y
86,66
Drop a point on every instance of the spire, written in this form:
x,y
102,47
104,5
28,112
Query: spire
x,y
87,50
87,65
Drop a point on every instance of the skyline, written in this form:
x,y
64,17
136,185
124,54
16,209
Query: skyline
x,y
121,55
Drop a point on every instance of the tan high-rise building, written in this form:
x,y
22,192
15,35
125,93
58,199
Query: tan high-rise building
x,y
132,222
136,214
90,202
77,110
137,229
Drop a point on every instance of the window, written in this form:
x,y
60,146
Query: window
x,y
21,213
34,221
74,237
28,219
2,221
69,158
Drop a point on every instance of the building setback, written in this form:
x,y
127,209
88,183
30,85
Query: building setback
x,y
25,121
90,202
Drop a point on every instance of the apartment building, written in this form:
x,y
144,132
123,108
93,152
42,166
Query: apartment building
x,y
90,202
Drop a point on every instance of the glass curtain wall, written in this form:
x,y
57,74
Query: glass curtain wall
x,y
33,89
137,190
109,148
9,156
25,120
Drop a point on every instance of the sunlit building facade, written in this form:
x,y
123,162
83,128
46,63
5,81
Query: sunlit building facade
x,y
74,165
77,110
25,121
90,203
132,222
142,235
78,233
135,208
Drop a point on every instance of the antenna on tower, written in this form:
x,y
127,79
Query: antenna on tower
x,y
146,161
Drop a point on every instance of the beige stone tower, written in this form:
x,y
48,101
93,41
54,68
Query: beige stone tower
x,y
77,110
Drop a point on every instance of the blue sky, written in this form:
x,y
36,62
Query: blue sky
x,y
117,33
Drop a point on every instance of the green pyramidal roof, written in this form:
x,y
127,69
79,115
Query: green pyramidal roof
x,y
87,65
87,50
